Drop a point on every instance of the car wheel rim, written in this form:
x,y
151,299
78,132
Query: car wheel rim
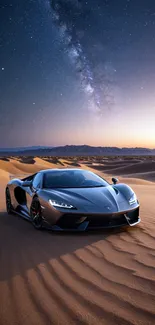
x,y
36,215
8,201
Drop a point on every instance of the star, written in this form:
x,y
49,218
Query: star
x,y
34,103
2,69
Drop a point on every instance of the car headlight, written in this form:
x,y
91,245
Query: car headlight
x,y
133,199
61,204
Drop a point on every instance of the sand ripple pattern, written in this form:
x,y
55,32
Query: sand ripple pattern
x,y
96,278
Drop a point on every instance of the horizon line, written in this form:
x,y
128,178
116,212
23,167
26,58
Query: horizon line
x,y
69,145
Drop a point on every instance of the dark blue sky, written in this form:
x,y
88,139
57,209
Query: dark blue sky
x,y
77,72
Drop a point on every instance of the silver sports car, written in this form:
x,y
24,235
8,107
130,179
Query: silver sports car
x,y
72,199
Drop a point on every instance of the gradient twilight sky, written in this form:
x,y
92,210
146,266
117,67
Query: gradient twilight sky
x,y
77,72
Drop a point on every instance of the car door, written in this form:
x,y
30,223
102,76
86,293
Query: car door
x,y
35,187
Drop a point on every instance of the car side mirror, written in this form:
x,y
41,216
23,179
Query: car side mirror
x,y
114,180
27,184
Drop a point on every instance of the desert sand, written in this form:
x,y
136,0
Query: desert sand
x,y
101,277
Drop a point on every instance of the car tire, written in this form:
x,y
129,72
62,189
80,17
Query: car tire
x,y
9,207
36,214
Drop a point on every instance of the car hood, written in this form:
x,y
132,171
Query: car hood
x,y
100,199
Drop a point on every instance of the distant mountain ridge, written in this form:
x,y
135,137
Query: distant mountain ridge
x,y
17,149
76,150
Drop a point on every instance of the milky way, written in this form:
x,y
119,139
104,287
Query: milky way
x,y
76,21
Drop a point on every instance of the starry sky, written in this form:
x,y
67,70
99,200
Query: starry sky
x,y
77,72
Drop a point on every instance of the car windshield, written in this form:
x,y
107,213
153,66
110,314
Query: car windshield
x,y
72,179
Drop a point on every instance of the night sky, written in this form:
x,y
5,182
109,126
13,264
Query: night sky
x,y
77,72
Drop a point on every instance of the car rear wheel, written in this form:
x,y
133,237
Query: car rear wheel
x,y
36,214
8,202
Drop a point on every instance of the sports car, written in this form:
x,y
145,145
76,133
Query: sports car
x,y
72,199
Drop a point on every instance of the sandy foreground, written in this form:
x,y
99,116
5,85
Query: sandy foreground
x,y
101,277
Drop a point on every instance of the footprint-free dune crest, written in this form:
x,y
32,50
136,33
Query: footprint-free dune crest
x,y
101,277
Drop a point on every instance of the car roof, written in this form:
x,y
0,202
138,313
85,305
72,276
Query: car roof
x,y
46,171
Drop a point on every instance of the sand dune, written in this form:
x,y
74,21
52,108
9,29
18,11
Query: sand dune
x,y
101,277
142,168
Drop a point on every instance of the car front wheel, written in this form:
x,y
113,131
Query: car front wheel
x,y
36,214
8,202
